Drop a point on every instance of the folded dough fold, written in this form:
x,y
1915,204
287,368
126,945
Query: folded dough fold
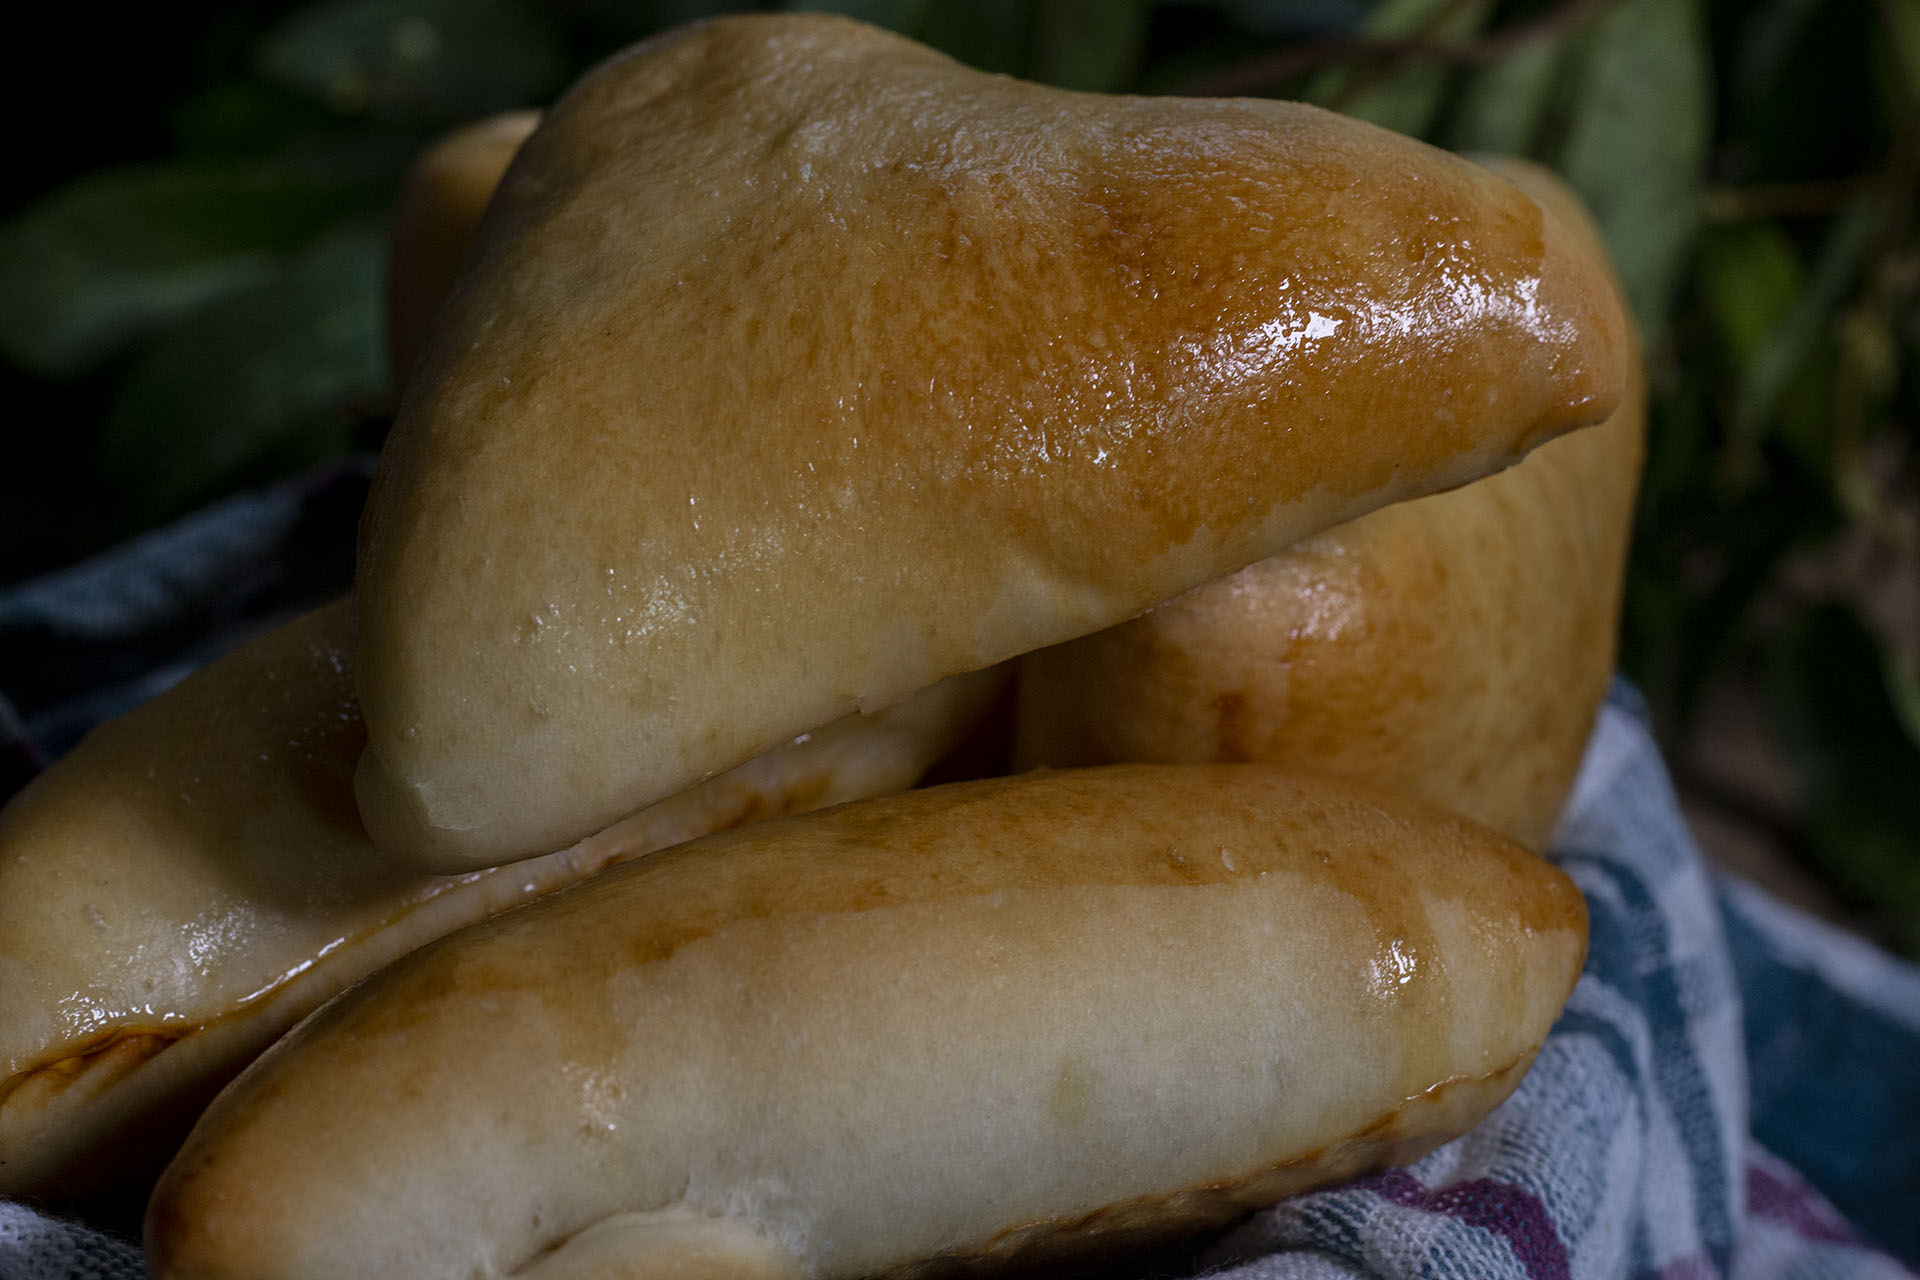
x,y
193,879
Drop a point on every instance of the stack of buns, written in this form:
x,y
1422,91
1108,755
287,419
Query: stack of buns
x,y
798,382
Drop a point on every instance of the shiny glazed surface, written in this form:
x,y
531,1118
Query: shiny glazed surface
x,y
980,1021
1455,648
799,366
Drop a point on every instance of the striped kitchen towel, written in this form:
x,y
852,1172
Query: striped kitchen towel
x,y
1709,1019
1733,1091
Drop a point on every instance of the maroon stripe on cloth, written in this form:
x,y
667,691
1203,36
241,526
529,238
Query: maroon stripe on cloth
x,y
1695,1266
1773,1198
1508,1211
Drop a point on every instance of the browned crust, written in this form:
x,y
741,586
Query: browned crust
x,y
1420,1124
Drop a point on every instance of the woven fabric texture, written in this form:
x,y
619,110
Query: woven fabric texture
x,y
1733,1090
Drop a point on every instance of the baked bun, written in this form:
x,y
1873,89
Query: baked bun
x,y
991,1023
798,366
193,879
446,191
1455,648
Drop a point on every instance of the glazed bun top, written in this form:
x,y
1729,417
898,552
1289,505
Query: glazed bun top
x,y
799,366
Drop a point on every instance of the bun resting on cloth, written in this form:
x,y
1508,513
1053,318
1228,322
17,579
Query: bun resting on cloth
x,y
446,191
1455,648
798,366
193,879
992,1022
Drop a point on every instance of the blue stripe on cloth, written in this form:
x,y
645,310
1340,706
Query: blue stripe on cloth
x,y
149,583
1669,998
1835,1087
1642,1263
1612,1041
1335,1223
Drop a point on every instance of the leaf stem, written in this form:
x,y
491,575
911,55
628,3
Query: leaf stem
x,y
1263,73
1769,200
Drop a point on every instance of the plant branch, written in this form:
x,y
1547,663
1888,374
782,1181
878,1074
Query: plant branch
x,y
1786,199
1262,74
1366,77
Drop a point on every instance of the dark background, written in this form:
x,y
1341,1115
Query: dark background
x,y
192,239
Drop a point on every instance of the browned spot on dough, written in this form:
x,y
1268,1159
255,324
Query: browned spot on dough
x,y
797,797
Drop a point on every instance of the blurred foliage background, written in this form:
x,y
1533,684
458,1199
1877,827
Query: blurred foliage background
x,y
192,234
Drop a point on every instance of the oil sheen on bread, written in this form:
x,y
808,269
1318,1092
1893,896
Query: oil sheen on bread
x,y
798,367
1455,648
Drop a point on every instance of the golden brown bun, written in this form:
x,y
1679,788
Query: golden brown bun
x,y
1473,687
447,190
193,879
798,366
994,1022
1454,648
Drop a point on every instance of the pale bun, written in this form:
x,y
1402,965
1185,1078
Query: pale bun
x,y
797,366
193,879
446,191
990,1023
1455,648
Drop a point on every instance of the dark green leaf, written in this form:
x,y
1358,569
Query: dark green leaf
x,y
1636,142
1782,352
1750,275
904,16
989,34
1295,18
115,255
441,61
602,26
671,13
1751,279
1735,557
1503,105
1407,97
1800,93
1904,20
1088,44
244,118
1858,769
1903,694
1702,557
277,371
1766,41
1655,636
